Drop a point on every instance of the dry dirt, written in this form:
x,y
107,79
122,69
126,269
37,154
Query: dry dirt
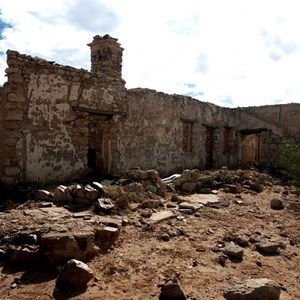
x,y
139,261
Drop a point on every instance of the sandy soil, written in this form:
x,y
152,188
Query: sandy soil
x,y
140,260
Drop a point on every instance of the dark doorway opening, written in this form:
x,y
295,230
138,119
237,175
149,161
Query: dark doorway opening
x,y
209,147
91,156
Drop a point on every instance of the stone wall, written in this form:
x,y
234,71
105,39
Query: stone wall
x,y
282,119
57,122
46,115
273,124
169,132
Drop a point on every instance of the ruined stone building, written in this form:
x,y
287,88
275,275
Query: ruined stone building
x,y
58,122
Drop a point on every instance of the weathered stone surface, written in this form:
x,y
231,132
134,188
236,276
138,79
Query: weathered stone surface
x,y
60,194
233,251
269,248
99,187
253,289
60,246
189,187
231,188
113,222
172,290
151,203
190,205
43,195
134,187
104,205
23,255
189,175
87,193
106,235
276,204
202,199
146,213
162,216
75,274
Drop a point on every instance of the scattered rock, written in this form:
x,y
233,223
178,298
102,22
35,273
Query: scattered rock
x,y
99,187
268,248
60,194
190,205
134,187
146,213
162,216
60,246
112,222
189,187
43,195
104,205
231,188
165,237
233,251
205,190
172,290
75,274
253,289
86,195
222,260
276,204
105,236
23,255
151,203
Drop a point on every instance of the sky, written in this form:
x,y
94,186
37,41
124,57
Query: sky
x,y
233,53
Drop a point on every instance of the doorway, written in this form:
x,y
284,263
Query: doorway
x,y
99,148
250,150
209,147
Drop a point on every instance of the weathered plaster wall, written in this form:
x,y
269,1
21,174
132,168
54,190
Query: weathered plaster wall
x,y
283,119
45,138
152,134
56,122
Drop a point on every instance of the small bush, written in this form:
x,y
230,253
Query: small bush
x,y
289,161
209,180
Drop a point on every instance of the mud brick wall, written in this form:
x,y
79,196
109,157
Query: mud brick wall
x,y
43,134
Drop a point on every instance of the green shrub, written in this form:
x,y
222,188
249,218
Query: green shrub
x,y
289,161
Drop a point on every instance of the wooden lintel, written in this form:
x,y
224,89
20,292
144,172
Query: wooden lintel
x,y
99,112
252,130
210,126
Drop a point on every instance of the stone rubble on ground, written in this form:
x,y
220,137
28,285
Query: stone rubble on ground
x,y
86,219
172,290
74,274
253,289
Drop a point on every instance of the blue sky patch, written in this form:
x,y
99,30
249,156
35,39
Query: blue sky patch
x,y
194,94
3,25
190,85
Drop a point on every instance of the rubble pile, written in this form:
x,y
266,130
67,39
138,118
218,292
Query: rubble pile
x,y
69,226
232,181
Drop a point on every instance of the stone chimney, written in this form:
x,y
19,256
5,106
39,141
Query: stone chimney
x,y
106,56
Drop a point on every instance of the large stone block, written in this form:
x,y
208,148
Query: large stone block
x,y
60,246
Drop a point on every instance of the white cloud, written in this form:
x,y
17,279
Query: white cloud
x,y
232,53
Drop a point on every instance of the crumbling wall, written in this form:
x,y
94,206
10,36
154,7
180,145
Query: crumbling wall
x,y
273,124
282,119
57,122
46,117
1,132
168,132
